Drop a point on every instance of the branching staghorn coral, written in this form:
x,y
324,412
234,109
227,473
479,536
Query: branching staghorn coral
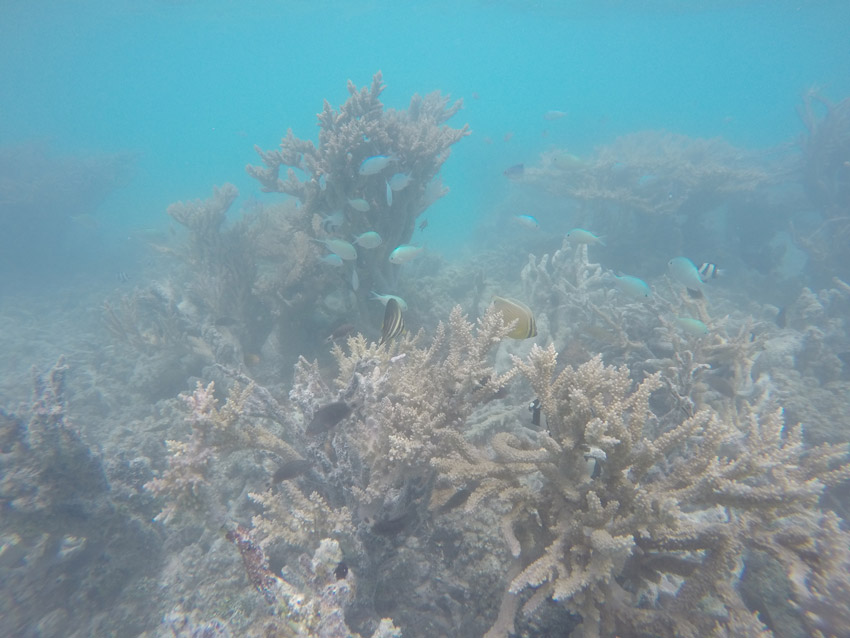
x,y
652,172
364,482
638,535
580,298
416,140
222,260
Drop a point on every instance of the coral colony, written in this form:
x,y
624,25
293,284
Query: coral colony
x,y
594,454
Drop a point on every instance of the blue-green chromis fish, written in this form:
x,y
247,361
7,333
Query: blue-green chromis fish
x,y
633,287
339,247
332,260
375,164
359,204
683,270
399,181
582,236
404,253
692,326
528,221
369,239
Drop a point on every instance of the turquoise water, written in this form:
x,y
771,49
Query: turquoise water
x,y
190,87
130,507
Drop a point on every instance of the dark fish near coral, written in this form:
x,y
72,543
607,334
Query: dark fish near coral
x,y
534,408
423,224
341,570
340,332
393,324
457,499
392,526
511,310
327,417
514,171
291,470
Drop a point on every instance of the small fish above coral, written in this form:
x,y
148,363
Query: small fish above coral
x,y
339,247
527,221
359,204
332,259
370,239
582,236
327,416
393,324
683,270
399,181
692,326
290,470
513,310
708,271
404,253
375,164
632,286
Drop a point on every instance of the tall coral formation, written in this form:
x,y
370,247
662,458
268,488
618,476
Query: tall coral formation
x,y
416,141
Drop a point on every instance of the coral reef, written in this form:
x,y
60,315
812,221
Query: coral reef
x,y
826,180
657,173
639,526
637,519
416,141
67,551
369,479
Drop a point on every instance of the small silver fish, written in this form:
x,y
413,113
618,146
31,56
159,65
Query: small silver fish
x,y
692,326
404,253
355,280
633,287
339,247
582,236
332,260
683,270
359,204
399,181
389,195
369,239
375,164
528,221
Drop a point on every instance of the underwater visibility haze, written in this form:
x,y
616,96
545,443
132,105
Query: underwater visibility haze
x,y
469,319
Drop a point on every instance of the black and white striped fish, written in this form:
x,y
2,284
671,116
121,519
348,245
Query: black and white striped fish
x,y
393,321
709,271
